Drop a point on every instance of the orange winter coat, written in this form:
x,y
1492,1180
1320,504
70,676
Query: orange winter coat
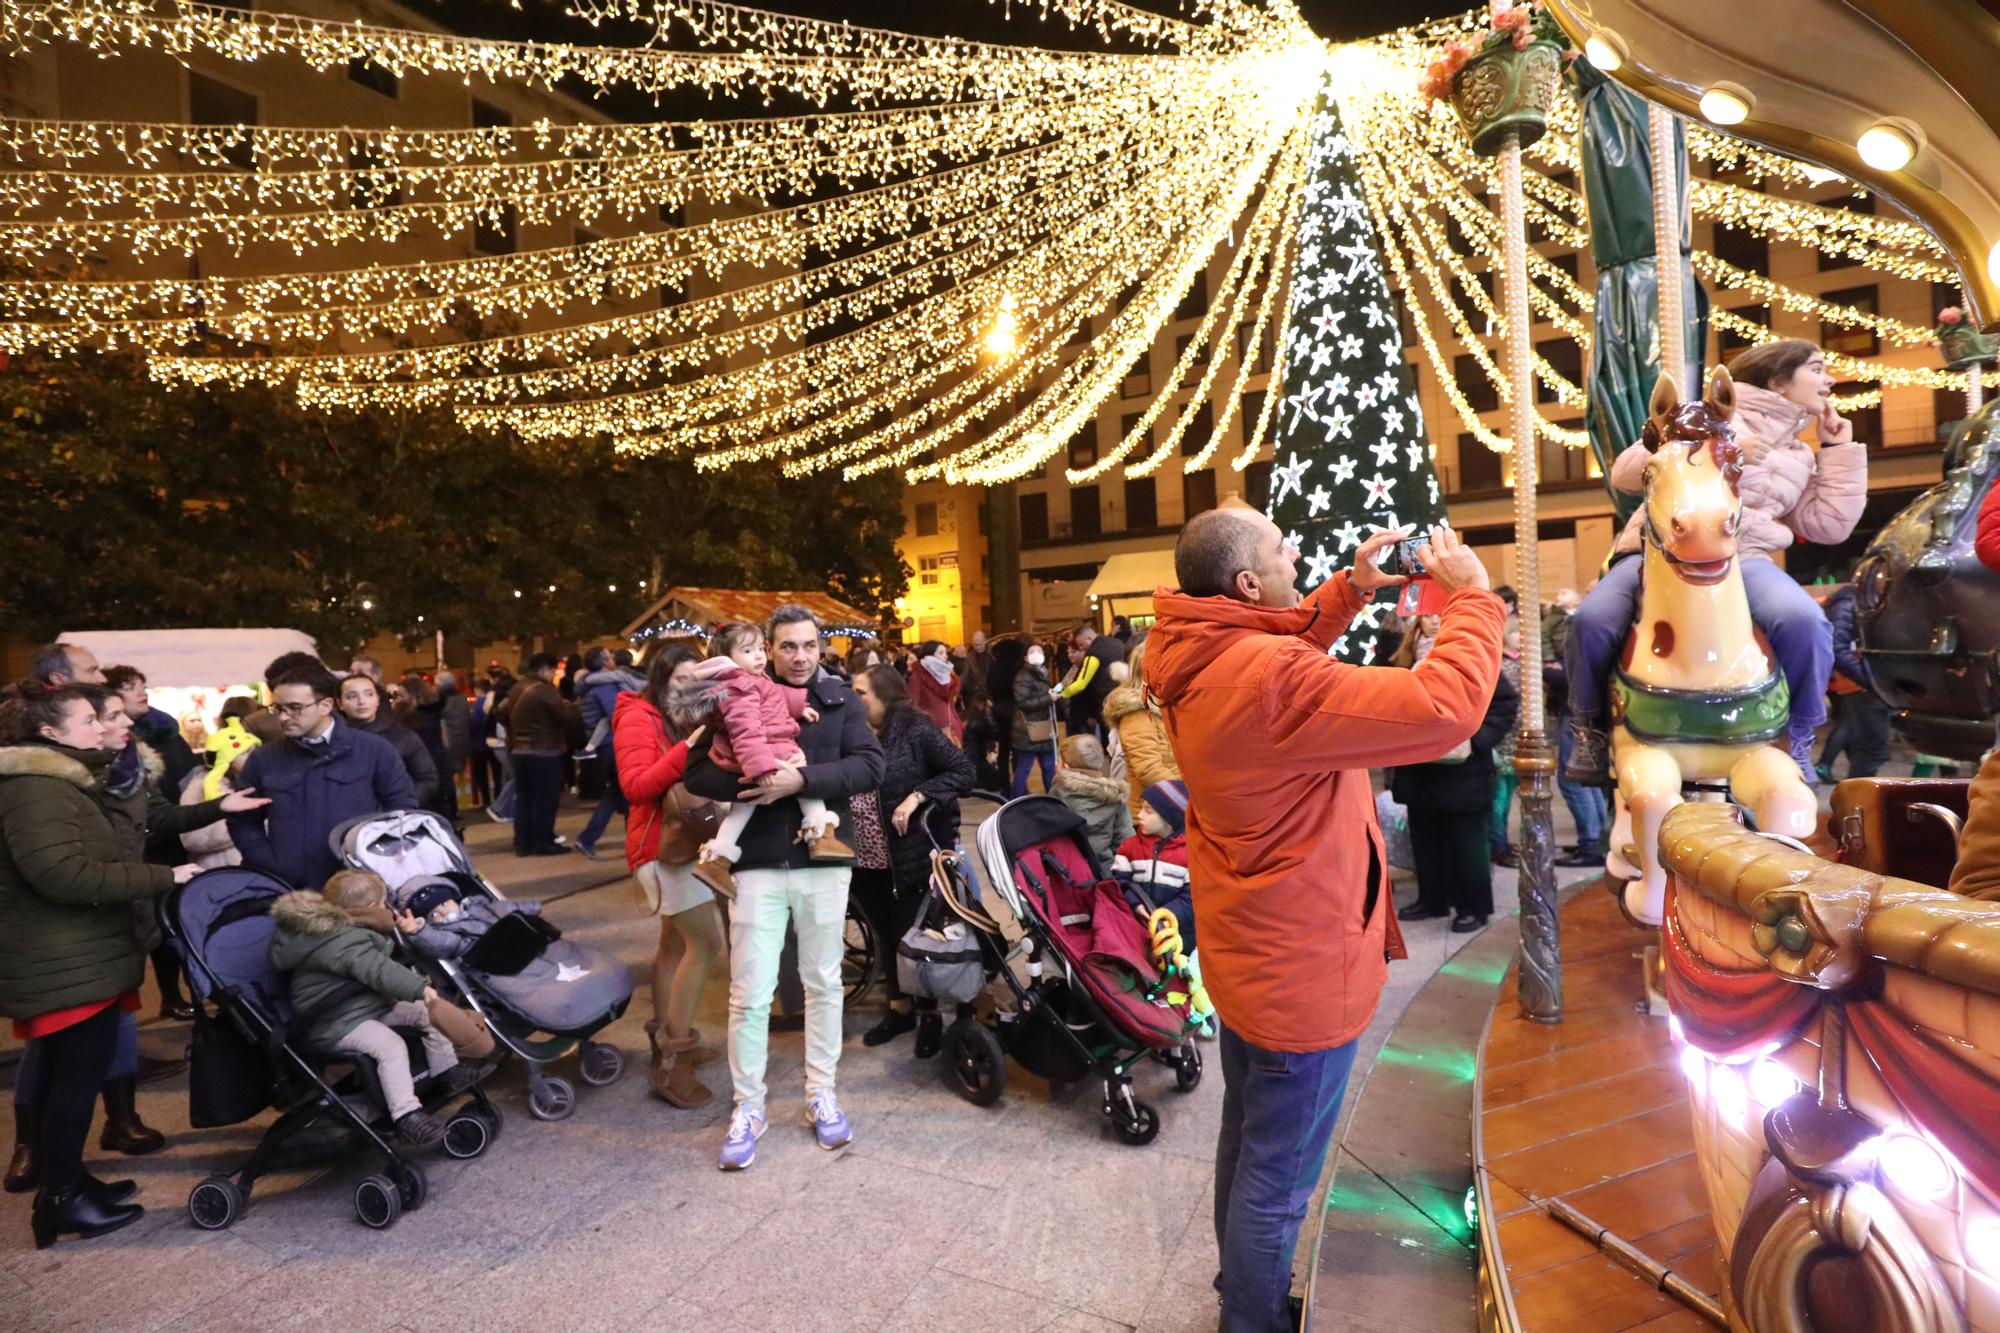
x,y
1275,739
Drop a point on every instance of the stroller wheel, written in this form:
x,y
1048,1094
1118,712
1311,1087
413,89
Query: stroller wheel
x,y
1187,1068
412,1186
466,1135
490,1111
551,1098
377,1203
975,1062
1139,1126
600,1065
215,1203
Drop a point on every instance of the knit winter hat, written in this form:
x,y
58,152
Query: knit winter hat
x,y
1169,800
427,898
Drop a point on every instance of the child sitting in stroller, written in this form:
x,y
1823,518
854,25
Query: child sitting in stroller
x,y
1152,864
438,922
349,995
756,722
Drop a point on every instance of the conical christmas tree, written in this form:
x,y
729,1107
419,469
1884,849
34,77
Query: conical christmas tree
x,y
1351,455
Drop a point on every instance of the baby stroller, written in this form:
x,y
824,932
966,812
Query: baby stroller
x,y
542,1004
242,1061
1093,1001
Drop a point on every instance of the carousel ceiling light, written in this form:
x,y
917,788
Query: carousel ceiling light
x,y
1914,1167
1889,146
1727,104
1605,49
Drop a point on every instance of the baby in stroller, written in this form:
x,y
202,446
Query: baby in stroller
x,y
349,995
756,722
438,922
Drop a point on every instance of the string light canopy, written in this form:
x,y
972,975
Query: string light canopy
x,y
914,253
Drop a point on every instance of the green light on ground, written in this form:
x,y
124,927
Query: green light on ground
x,y
1488,973
1451,1061
1472,1209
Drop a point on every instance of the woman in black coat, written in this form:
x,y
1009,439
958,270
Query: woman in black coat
x,y
362,707
1450,806
923,775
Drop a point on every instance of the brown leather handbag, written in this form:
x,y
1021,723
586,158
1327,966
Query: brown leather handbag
x,y
686,822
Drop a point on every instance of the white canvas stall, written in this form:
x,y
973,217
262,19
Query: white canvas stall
x,y
193,658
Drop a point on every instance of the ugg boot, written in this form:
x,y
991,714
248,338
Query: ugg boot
x,y
701,1055
24,1172
826,846
671,1074
713,871
123,1130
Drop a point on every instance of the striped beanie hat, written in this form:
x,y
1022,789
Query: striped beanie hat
x,y
1169,800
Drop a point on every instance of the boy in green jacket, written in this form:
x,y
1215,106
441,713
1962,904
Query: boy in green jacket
x,y
349,995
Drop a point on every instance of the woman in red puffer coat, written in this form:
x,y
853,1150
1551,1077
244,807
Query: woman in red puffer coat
x,y
651,761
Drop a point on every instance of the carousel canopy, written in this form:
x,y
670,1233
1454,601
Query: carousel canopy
x,y
686,612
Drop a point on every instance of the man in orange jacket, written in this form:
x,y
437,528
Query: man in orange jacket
x,y
1291,893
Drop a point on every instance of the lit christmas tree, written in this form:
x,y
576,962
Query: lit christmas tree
x,y
1351,455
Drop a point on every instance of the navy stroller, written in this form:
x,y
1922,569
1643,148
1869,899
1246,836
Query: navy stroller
x,y
243,1061
541,1010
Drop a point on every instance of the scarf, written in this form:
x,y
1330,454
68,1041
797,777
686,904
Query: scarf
x,y
940,670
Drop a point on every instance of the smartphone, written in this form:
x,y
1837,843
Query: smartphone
x,y
1403,558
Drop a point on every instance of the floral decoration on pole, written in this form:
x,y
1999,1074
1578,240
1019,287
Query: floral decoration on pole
x,y
1505,78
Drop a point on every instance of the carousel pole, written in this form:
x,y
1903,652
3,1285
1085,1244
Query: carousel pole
x,y
1667,250
1539,981
1975,388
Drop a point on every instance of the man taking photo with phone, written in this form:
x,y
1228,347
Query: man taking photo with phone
x,y
1291,890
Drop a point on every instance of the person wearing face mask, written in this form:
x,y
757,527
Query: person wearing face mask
x,y
1034,729
70,963
1291,898
1790,491
933,689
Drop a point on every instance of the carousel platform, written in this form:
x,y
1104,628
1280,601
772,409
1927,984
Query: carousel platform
x,y
1592,1216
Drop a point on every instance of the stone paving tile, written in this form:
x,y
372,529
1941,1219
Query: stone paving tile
x,y
1091,1233
138,1278
945,1302
854,1244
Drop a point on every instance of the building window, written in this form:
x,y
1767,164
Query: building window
x,y
1947,409
1200,430
1845,339
1745,249
1945,294
211,102
1193,371
1086,513
1138,384
1565,358
494,234
1083,446
370,190
1142,503
1251,410
1129,423
1478,466
1257,485
1262,352
1481,393
927,523
1566,260
1197,492
1847,203
1035,517
1728,343
927,570
1195,301
369,74
1867,421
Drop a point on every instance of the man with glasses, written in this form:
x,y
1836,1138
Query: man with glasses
x,y
778,884
319,774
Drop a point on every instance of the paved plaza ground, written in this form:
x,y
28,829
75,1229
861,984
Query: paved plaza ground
x,y
941,1215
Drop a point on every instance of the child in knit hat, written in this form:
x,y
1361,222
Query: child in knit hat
x,y
1152,864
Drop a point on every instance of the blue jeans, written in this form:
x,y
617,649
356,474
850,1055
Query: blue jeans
x,y
1024,764
612,802
1588,806
1801,639
1278,1113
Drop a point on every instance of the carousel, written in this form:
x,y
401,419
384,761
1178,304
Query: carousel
x,y
1756,1083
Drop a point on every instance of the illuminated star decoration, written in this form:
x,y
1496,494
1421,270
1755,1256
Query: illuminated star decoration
x,y
1349,400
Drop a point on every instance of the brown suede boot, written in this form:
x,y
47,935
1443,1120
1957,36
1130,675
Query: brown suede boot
x,y
671,1074
828,847
699,1054
24,1172
714,872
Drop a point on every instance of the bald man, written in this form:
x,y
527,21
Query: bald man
x,y
1291,893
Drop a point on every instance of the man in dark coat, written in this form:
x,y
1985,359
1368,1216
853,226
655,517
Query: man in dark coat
x,y
1860,719
1093,654
320,774
777,884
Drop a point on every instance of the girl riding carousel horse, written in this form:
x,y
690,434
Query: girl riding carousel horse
x,y
1788,491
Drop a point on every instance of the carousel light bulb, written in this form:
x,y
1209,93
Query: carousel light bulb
x,y
1727,104
1605,50
1695,1065
1725,1087
1886,147
1771,1083
1914,1167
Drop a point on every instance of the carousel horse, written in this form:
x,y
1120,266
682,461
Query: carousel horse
x,y
1696,697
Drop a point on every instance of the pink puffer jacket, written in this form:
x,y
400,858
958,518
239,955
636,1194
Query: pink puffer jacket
x,y
756,719
1794,492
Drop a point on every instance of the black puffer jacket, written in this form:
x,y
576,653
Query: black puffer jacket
x,y
67,885
416,756
1467,785
916,756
